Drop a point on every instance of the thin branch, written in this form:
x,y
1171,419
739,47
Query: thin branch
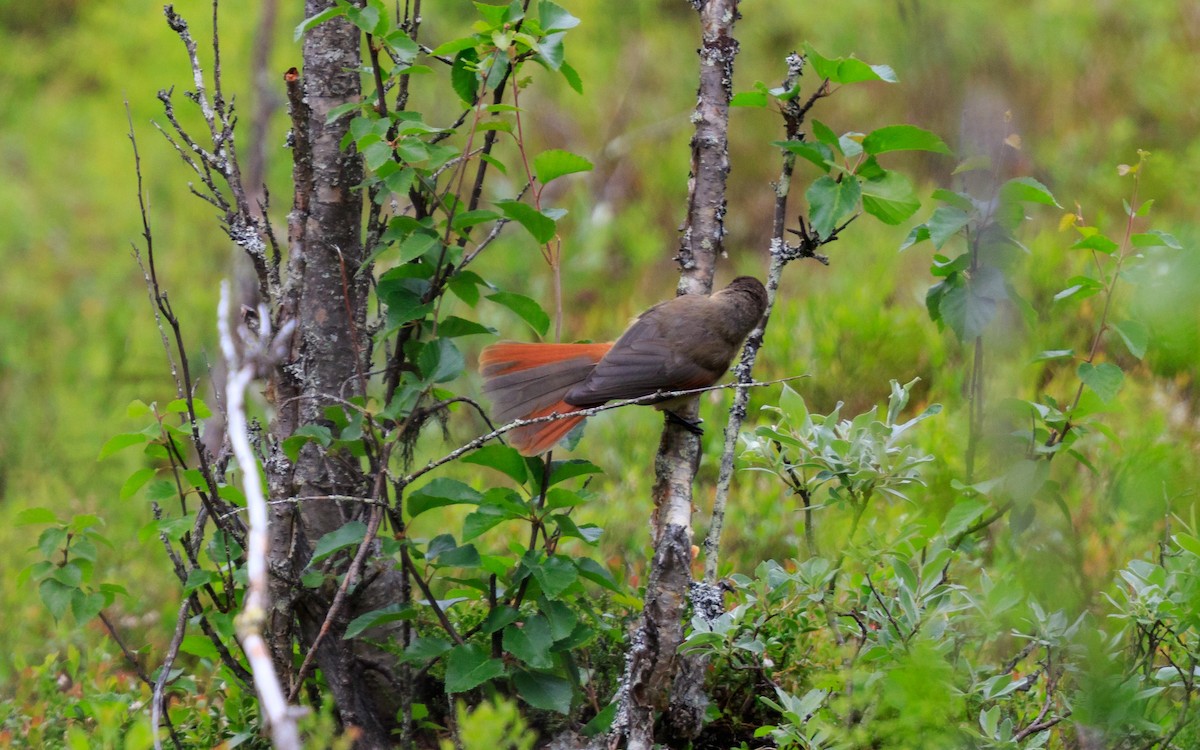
x,y
280,717
649,399
157,697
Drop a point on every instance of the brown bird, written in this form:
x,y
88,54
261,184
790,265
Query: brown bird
x,y
684,343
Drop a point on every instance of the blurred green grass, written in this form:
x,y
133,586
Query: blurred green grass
x,y
1087,84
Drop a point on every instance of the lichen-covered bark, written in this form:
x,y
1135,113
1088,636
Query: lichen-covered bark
x,y
653,660
326,296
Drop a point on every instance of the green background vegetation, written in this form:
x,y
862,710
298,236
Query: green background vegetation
x,y
1087,85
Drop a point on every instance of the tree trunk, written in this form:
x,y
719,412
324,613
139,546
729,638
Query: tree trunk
x,y
326,298
653,661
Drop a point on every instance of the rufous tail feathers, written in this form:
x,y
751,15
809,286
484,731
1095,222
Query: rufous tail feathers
x,y
526,381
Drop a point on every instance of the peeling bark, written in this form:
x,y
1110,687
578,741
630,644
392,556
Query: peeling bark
x,y
326,297
653,661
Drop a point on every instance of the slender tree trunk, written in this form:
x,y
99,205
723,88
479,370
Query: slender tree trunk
x,y
326,298
653,662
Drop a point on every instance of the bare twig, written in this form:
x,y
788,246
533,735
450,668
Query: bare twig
x,y
280,717
650,399
158,697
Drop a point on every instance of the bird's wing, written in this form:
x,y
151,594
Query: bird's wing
x,y
642,362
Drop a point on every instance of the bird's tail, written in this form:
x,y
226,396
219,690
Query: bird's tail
x,y
525,381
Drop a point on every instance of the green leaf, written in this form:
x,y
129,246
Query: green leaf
x,y
824,134
56,597
596,573
602,721
453,326
351,534
554,18
502,458
1104,379
847,70
530,642
1081,286
560,471
890,198
555,163
484,519
441,492
572,77
198,578
829,201
31,516
1135,336
136,481
749,99
322,17
471,218
1027,190
1097,242
555,575
121,442
1155,238
964,513
545,691
465,556
441,361
1054,354
390,613
526,308
540,226
814,151
463,76
468,666
968,307
425,648
1189,543
903,138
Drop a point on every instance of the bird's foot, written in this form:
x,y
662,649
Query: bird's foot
x,y
692,426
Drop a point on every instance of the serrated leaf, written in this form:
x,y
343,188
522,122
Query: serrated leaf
x,y
438,493
468,666
56,597
749,99
120,442
1135,336
502,458
1027,190
538,224
530,642
463,76
1097,242
561,471
351,534
555,163
440,361
545,691
425,648
554,17
1104,379
321,17
368,620
1188,543
525,308
555,574
1054,354
890,198
482,520
962,515
31,516
813,151
1155,238
829,201
903,138
453,326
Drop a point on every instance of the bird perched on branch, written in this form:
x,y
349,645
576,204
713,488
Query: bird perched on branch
x,y
684,343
